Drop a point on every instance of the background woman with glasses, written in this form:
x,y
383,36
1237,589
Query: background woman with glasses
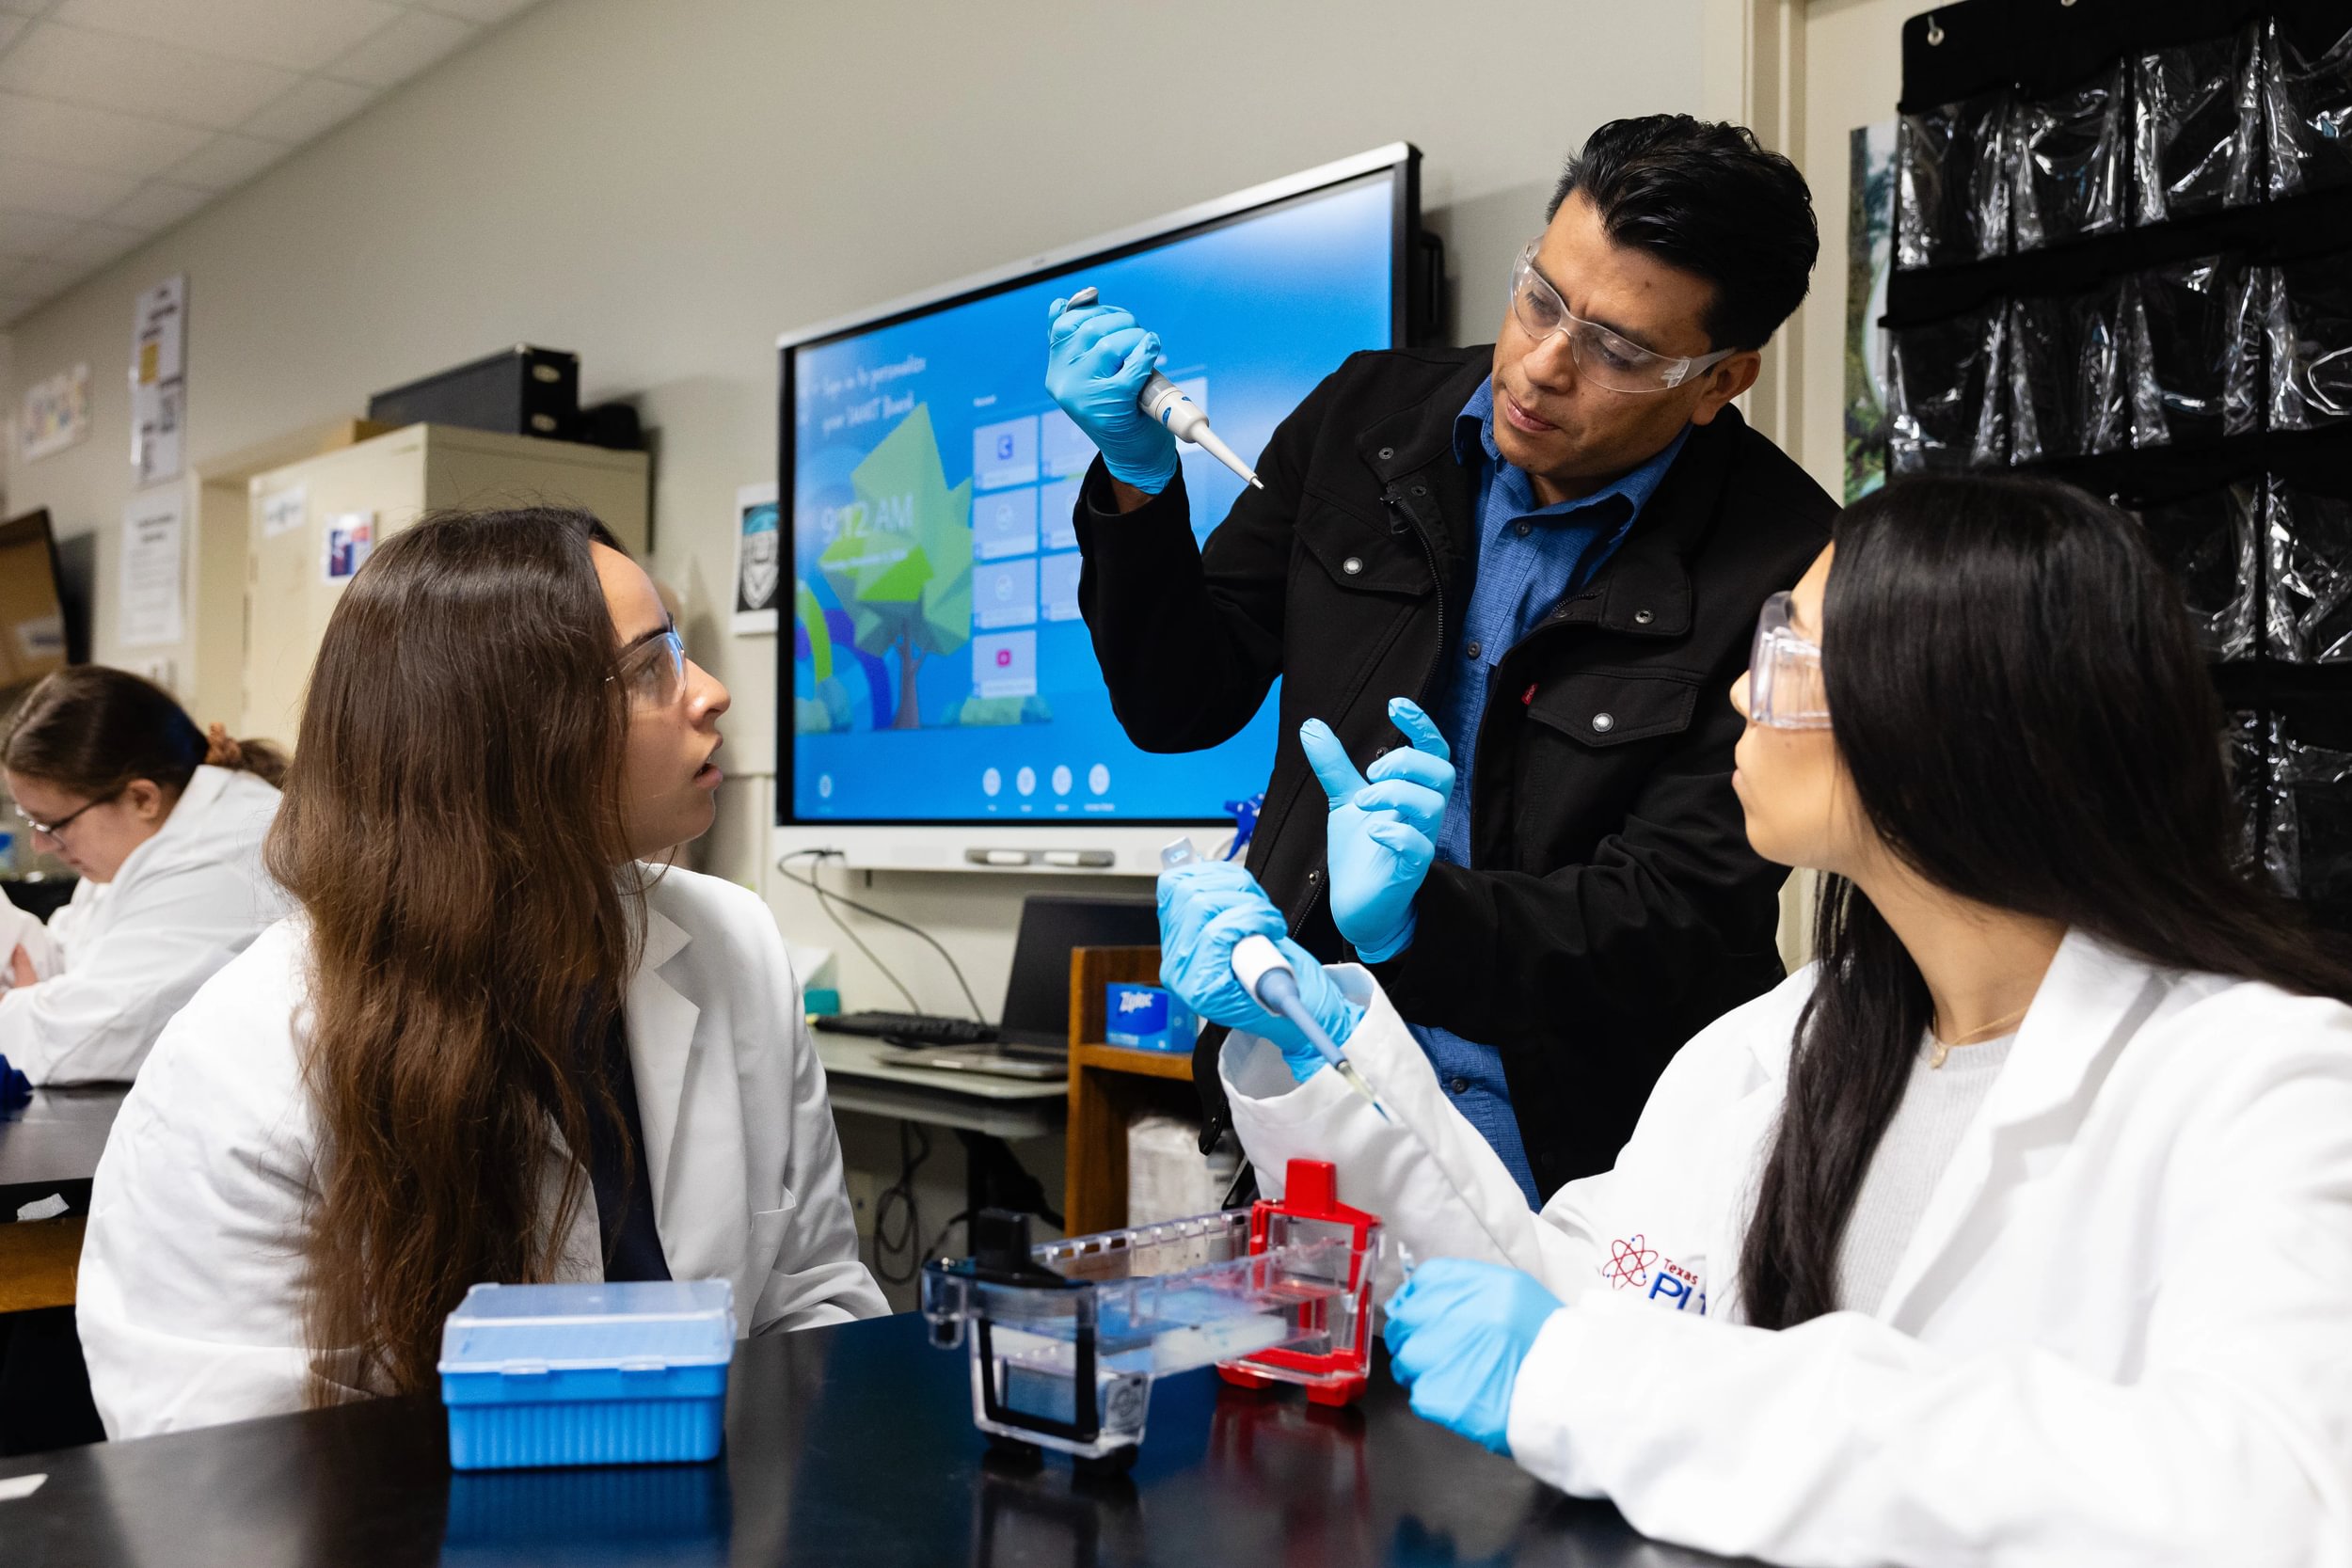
x,y
493,1044
164,825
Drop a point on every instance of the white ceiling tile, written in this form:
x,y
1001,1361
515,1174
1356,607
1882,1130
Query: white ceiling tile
x,y
487,12
23,233
26,8
403,49
41,186
139,76
9,27
84,137
315,107
300,35
94,245
228,160
158,204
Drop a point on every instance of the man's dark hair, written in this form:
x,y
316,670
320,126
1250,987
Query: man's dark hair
x,y
1705,198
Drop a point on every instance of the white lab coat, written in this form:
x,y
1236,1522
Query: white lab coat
x,y
189,1299
130,953
2120,1334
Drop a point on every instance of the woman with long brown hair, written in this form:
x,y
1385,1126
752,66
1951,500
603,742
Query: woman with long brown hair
x,y
493,1045
164,825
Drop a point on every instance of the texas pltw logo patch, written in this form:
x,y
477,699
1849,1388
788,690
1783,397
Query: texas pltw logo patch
x,y
1635,1265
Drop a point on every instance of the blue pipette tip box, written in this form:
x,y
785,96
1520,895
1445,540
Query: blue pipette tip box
x,y
628,1373
1145,1018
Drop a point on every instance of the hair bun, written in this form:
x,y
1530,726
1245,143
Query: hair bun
x,y
220,750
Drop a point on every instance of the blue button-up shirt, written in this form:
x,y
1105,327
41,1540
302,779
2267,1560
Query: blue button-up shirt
x,y
1529,558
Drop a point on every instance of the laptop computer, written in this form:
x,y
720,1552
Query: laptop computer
x,y
1033,1037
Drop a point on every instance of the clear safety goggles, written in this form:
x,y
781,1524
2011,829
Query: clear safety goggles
x,y
1785,688
653,672
1612,361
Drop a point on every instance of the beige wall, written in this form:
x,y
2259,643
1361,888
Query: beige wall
x,y
664,186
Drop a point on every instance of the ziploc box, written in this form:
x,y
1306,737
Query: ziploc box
x,y
1145,1017
626,1373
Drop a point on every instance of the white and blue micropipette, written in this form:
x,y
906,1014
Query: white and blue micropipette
x,y
1163,400
1268,975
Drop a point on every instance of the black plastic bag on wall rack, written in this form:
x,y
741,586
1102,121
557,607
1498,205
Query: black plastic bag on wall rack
x,y
2309,843
2309,608
2067,385
1951,183
2196,127
2307,97
2068,179
2208,539
2308,314
2193,351
1947,394
2246,745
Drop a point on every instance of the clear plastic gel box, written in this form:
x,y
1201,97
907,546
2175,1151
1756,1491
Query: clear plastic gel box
x,y
630,1374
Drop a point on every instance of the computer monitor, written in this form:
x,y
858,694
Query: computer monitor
x,y
32,605
1036,993
939,702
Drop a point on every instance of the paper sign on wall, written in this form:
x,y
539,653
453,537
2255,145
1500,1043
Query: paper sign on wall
x,y
158,382
152,580
284,511
55,413
758,559
350,540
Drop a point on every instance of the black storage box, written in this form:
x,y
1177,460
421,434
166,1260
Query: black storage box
x,y
521,391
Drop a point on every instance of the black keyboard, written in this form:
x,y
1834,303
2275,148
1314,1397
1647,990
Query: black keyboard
x,y
918,1028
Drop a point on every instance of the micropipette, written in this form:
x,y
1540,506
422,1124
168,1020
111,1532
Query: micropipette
x,y
1268,975
1163,400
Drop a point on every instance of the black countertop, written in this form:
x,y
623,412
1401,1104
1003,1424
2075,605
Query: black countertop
x,y
53,1144
846,1446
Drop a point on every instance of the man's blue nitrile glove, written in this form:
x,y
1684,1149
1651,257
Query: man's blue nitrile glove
x,y
1458,1332
1096,362
15,1088
1382,834
1205,910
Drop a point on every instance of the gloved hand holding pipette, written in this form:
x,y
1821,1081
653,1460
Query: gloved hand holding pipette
x,y
1097,360
1104,371
1223,949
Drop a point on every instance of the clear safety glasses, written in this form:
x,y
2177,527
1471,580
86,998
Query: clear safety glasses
x,y
1785,688
55,832
653,672
1612,361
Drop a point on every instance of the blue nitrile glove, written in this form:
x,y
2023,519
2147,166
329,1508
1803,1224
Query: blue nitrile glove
x,y
15,1088
1382,833
1457,1334
1096,362
1205,909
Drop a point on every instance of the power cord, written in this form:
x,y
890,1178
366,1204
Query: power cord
x,y
898,1201
941,1240
826,898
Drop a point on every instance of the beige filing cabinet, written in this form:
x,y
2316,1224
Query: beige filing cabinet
x,y
391,481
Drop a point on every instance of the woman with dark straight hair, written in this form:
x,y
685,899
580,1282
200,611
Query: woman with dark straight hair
x,y
2017,1227
164,825
493,1044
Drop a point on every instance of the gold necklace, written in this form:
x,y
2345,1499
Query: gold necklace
x,y
1944,1047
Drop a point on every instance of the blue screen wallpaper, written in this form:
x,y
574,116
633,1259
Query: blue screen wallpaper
x,y
940,670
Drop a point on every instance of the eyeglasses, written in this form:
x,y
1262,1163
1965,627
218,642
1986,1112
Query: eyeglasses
x,y
1610,358
1785,688
654,671
55,832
